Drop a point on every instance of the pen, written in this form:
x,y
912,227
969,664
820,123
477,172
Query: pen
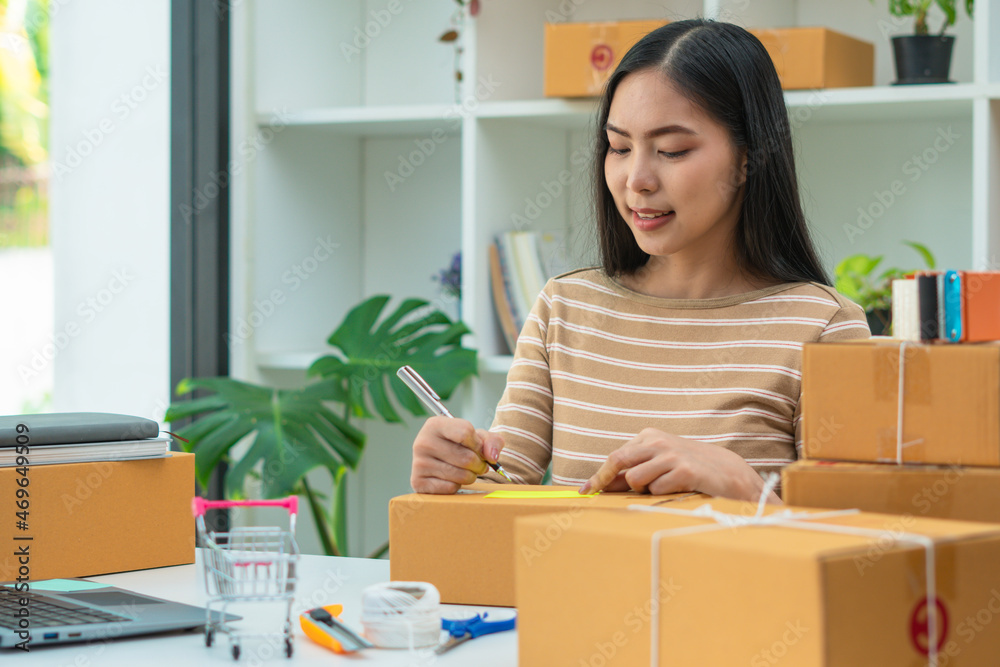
x,y
424,392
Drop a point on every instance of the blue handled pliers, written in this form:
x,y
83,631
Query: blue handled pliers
x,y
470,628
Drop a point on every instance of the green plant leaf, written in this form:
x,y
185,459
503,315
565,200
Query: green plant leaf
x,y
369,352
948,7
290,432
924,251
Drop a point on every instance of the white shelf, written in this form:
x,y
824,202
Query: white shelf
x,y
301,361
875,103
287,361
390,120
555,112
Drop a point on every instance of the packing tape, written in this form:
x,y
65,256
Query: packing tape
x,y
401,614
900,402
784,519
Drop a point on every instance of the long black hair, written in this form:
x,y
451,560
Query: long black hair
x,y
727,72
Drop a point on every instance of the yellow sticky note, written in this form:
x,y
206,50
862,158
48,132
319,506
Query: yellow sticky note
x,y
554,493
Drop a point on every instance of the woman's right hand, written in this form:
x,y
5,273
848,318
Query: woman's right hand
x,y
448,453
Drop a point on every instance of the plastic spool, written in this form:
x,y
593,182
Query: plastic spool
x,y
402,614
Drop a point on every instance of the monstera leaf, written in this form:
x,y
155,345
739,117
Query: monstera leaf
x,y
370,352
290,432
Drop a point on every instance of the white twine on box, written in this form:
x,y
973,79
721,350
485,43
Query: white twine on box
x,y
900,445
786,519
402,614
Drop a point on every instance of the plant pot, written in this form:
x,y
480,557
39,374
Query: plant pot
x,y
922,58
879,321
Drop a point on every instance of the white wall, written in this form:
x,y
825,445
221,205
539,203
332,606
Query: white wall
x,y
110,148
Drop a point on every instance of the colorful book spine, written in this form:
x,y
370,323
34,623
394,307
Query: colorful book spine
x,y
951,306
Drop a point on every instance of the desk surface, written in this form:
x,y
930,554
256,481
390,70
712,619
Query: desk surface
x,y
323,580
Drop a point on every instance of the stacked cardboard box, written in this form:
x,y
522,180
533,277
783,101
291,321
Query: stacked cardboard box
x,y
915,428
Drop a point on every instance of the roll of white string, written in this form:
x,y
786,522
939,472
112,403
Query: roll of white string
x,y
401,614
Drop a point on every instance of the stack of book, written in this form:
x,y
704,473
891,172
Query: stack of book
x,y
78,437
951,306
521,262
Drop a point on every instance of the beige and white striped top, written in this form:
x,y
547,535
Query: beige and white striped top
x,y
596,363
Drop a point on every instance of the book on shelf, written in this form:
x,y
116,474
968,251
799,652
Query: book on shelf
x,y
502,299
518,273
949,306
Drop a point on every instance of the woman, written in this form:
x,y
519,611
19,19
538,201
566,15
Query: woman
x,y
676,365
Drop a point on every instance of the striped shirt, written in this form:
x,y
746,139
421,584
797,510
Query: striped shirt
x,y
596,363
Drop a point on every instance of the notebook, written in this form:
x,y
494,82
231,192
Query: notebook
x,y
63,428
76,610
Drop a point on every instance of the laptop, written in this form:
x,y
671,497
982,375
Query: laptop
x,y
76,610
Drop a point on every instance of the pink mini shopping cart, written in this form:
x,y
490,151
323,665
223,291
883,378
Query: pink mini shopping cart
x,y
254,564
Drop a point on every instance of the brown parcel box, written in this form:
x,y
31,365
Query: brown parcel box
x,y
756,595
87,519
464,543
945,492
579,57
951,408
818,57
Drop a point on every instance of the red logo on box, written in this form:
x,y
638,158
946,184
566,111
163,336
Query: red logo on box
x,y
920,627
602,56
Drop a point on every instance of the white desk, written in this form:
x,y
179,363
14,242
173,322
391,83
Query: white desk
x,y
323,580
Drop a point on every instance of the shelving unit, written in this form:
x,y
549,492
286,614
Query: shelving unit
x,y
375,152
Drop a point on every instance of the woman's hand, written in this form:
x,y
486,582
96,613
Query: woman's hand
x,y
661,463
449,452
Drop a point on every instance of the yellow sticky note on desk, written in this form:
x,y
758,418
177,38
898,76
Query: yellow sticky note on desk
x,y
554,493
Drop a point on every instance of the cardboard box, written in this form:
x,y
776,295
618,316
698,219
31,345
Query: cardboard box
x,y
945,492
756,595
951,402
464,543
579,57
86,519
813,57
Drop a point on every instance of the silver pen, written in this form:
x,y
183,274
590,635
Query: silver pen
x,y
424,392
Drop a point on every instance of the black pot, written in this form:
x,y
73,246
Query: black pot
x,y
922,58
879,321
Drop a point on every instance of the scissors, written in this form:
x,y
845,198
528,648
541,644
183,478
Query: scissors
x,y
470,628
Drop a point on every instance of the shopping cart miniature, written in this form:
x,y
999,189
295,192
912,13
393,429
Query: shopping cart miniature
x,y
247,565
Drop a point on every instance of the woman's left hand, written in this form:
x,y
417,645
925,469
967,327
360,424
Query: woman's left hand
x,y
661,463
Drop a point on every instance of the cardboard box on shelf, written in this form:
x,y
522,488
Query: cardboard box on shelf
x,y
815,57
803,594
963,493
950,413
86,519
464,543
579,57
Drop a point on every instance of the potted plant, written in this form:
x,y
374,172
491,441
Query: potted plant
x,y
855,280
276,436
924,57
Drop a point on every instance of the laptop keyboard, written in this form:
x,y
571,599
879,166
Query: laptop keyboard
x,y
46,613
